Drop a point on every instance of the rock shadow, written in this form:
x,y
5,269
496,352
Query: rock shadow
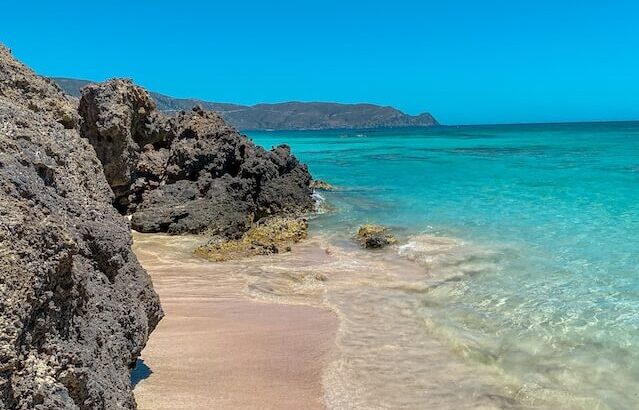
x,y
140,372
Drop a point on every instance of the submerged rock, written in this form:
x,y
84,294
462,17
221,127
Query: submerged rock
x,y
322,185
191,173
271,235
375,236
76,307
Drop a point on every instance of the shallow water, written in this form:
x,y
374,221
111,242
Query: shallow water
x,y
517,281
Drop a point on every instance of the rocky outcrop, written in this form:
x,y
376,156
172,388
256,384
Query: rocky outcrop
x,y
269,236
375,236
38,94
76,308
321,185
190,173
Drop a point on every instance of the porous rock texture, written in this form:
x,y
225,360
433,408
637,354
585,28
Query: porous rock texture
x,y
271,235
76,307
189,173
375,236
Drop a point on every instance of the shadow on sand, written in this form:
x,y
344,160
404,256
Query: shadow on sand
x,y
140,372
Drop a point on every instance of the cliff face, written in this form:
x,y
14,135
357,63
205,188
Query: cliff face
x,y
76,308
285,116
190,172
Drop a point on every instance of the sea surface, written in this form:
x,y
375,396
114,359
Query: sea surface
x,y
516,280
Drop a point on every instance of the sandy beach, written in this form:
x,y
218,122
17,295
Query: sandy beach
x,y
216,348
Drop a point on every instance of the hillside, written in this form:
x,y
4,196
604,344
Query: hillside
x,y
285,116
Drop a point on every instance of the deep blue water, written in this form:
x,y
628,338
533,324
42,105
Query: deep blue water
x,y
550,293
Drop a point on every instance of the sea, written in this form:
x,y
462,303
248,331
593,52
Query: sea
x,y
515,280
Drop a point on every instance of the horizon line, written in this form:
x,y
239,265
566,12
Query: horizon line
x,y
361,103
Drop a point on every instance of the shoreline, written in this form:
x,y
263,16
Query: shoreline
x,y
218,348
310,328
327,325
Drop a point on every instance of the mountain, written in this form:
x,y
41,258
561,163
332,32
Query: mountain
x,y
284,116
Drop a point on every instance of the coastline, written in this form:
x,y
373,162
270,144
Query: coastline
x,y
310,328
327,325
217,348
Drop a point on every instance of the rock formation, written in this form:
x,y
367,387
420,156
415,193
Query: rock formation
x,y
76,308
375,236
187,173
269,236
318,184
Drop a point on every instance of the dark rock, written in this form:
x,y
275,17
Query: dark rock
x,y
375,236
76,307
120,122
39,94
188,173
376,241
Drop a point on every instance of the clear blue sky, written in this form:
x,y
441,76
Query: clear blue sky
x,y
467,62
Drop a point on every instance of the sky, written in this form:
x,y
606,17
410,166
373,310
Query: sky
x,y
466,62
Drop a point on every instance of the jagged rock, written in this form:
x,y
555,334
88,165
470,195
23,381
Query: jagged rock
x,y
76,308
39,94
375,236
188,173
270,236
119,121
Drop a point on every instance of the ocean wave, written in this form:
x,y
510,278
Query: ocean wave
x,y
449,258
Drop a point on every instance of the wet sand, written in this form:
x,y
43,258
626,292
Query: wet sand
x,y
215,348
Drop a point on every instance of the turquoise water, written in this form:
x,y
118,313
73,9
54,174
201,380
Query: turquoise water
x,y
549,293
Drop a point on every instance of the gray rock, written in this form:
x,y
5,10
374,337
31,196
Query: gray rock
x,y
187,173
119,120
76,307
39,94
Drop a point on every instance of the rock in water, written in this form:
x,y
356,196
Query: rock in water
x,y
188,173
375,236
267,237
76,307
321,185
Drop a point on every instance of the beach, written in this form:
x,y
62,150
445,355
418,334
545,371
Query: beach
x,y
216,348
482,304
280,205
322,326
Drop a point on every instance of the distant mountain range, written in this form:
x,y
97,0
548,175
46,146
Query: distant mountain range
x,y
285,116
